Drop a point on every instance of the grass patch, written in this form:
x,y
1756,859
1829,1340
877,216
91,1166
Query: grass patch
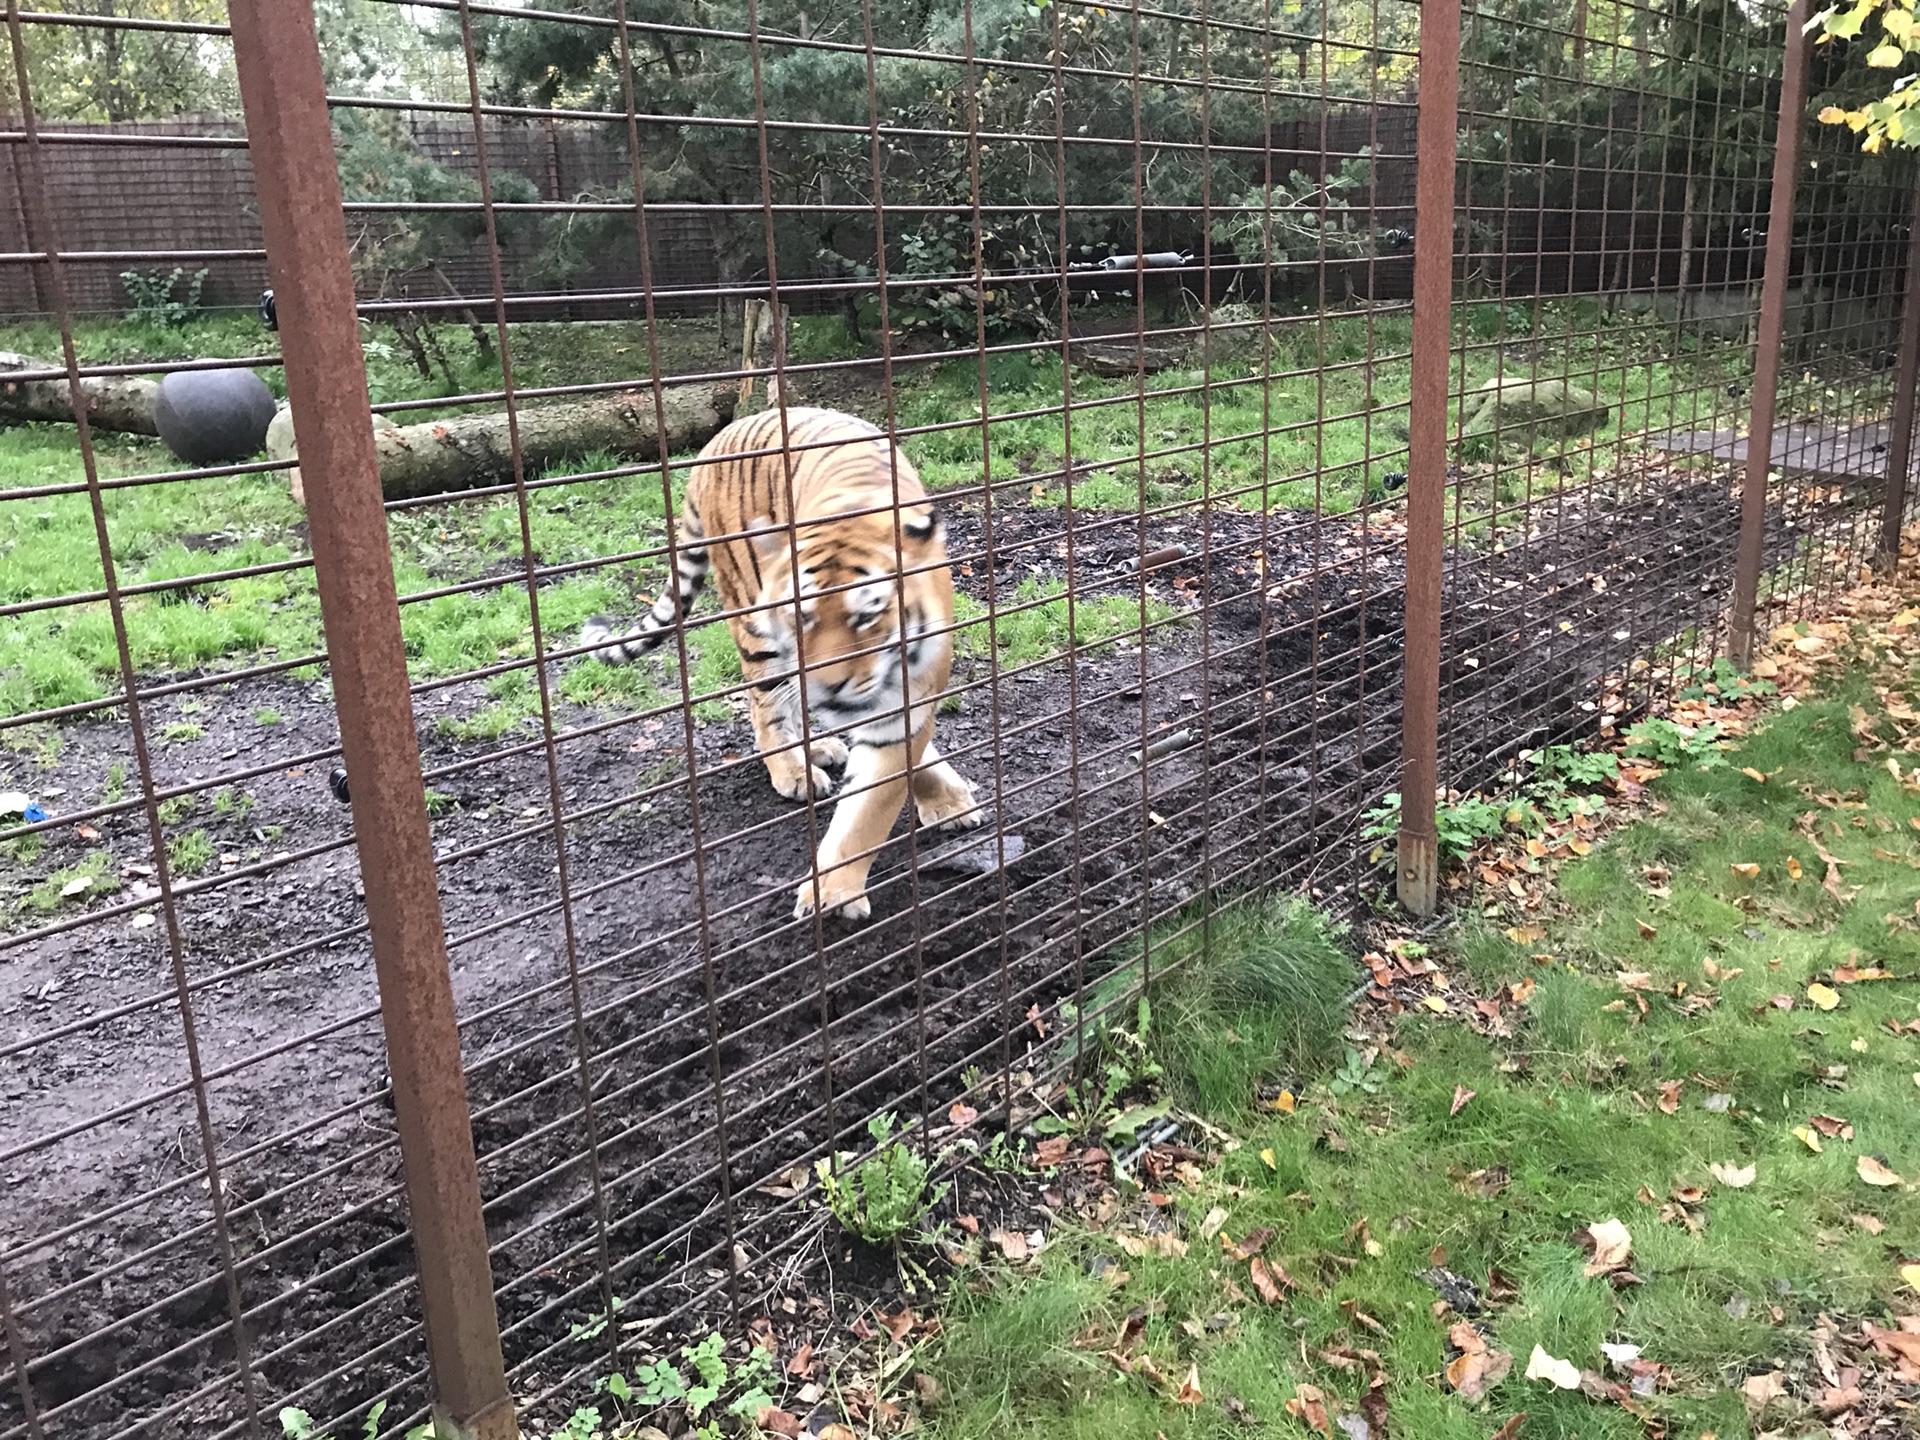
x,y
190,854
74,885
1562,1126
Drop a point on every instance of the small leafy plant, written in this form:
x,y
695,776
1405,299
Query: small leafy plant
x,y
1727,681
297,1424
694,1384
1673,745
1120,1061
1462,824
153,300
883,1199
1356,1072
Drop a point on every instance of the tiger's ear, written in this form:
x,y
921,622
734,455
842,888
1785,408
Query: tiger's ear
x,y
919,524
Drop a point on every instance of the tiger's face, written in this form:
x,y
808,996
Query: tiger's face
x,y
857,617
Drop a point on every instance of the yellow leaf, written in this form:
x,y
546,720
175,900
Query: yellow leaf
x,y
1745,872
1794,871
1580,847
1824,997
1526,934
1807,1138
1435,1004
1885,57
1833,115
1753,774
1283,1102
1267,1155
1911,1274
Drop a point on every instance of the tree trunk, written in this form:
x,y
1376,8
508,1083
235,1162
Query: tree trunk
x,y
472,450
123,403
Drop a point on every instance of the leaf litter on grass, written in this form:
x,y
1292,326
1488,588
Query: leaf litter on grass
x,y
1576,1039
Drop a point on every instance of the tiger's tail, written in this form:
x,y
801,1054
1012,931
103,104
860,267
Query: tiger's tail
x,y
690,572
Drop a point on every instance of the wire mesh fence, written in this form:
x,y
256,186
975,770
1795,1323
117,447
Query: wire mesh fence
x,y
424,818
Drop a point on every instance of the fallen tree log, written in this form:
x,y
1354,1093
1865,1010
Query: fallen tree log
x,y
114,402
437,457
473,450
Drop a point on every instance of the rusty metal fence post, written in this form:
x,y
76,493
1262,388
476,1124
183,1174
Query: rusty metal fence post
x,y
289,134
1893,511
1418,842
1766,360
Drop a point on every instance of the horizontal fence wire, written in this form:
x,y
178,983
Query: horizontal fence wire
x,y
1129,290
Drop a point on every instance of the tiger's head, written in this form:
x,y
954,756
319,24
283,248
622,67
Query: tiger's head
x,y
860,589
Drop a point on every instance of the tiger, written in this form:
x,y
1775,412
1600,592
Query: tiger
x,y
861,558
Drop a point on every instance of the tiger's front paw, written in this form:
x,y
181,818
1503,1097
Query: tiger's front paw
x,y
854,907
829,752
800,784
955,810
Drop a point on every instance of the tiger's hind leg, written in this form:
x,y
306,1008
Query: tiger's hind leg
x,y
941,797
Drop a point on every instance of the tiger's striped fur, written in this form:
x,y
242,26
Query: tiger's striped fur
x,y
834,528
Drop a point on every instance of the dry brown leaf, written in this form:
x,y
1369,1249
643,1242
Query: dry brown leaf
x,y
1608,1245
1647,932
1670,1096
1013,1244
1761,1390
1051,1151
1461,1095
1189,1393
1511,1428
1478,1367
801,1365
1264,1281
1875,1172
1832,1126
1872,1224
1747,871
961,1114
1309,1404
1734,1177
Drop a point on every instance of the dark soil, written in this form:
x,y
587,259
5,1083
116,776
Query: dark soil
x,y
1288,687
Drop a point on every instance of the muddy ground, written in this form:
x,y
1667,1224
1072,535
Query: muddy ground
x,y
1288,683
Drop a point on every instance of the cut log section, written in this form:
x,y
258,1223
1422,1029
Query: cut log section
x,y
114,402
437,457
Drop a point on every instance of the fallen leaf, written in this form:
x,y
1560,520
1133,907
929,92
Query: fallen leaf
x,y
1836,1399
1855,974
802,1362
1781,1002
1309,1404
1911,1274
1542,1366
1747,871
1283,1102
1461,1095
1511,1428
1264,1281
1190,1388
1875,1172
1013,1244
1734,1177
779,1422
1823,997
1807,1138
1611,1245
1902,1345
1526,934
1872,1224
1434,1003
1647,932
1210,1226
1670,1096
1832,1126
1478,1367
1267,1156
1794,869
961,1115
1762,1389
1051,1151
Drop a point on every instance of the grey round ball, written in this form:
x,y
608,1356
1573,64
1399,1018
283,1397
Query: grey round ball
x,y
213,417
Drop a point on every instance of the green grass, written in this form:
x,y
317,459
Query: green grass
x,y
191,853
1569,1104
1334,417
65,887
